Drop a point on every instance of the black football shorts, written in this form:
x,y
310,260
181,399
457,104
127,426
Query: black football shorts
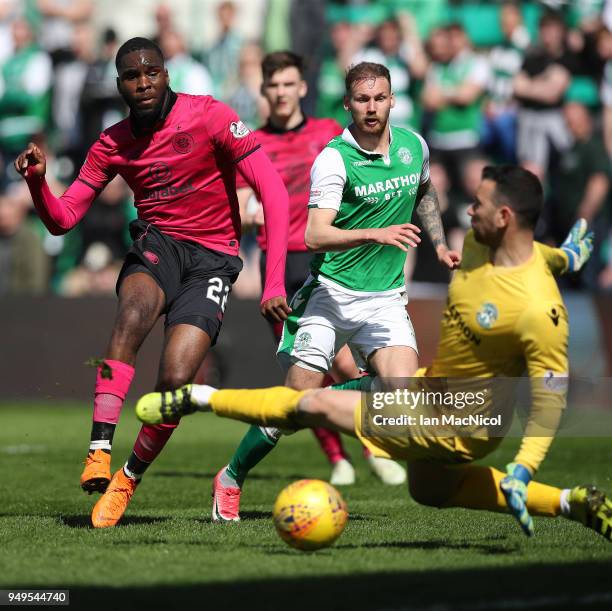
x,y
196,280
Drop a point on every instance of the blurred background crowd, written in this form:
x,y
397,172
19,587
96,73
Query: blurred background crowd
x,y
527,82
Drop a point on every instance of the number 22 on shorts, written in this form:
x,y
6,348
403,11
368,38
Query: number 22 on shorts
x,y
218,292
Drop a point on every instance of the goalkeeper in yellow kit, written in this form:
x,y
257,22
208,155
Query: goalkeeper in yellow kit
x,y
504,316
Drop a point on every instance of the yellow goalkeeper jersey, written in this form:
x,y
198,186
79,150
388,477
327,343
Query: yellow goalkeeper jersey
x,y
503,321
499,322
507,321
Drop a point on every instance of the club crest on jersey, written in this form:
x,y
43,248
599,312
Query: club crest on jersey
x,y
239,129
182,142
302,341
405,155
487,315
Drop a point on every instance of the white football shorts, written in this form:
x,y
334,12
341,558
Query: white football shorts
x,y
324,318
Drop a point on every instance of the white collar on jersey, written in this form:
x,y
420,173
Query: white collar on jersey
x,y
348,137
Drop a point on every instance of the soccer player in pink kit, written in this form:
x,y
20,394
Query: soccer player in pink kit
x,y
179,154
292,141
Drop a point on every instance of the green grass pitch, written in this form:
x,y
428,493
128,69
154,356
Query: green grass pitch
x,y
394,554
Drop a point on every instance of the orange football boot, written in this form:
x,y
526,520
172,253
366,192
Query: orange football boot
x,y
111,507
97,472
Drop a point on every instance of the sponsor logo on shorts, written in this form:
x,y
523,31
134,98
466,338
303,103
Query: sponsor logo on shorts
x,y
405,155
182,142
160,173
151,256
302,341
487,316
239,129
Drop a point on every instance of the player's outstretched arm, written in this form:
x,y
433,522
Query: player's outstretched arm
x,y
428,211
251,211
270,190
542,331
59,214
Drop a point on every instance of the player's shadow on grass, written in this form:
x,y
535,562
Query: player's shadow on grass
x,y
244,515
267,515
484,548
256,515
481,547
84,521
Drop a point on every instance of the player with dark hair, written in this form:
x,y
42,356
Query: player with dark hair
x,y
520,189
292,141
179,154
504,316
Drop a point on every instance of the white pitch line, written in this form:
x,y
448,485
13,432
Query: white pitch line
x,y
23,448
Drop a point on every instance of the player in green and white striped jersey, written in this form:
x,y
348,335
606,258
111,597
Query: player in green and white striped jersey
x,y
364,187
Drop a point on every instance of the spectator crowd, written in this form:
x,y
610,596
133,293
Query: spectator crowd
x,y
484,82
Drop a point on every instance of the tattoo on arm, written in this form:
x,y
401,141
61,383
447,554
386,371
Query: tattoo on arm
x,y
428,211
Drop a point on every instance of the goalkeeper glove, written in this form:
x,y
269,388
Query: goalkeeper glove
x,y
578,246
514,489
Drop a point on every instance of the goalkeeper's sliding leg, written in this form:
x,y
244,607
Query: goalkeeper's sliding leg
x,y
468,486
479,487
279,406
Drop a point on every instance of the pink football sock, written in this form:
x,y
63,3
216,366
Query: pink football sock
x,y
110,393
151,440
331,444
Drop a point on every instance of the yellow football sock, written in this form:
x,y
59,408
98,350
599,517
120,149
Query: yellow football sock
x,y
543,500
480,489
274,406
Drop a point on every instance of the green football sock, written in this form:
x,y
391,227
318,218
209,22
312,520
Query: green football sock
x,y
363,384
253,448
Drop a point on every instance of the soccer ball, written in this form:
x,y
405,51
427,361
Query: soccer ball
x,y
309,514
